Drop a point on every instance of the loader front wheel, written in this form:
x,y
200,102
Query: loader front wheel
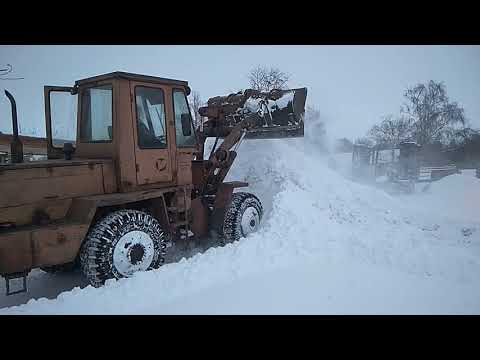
x,y
122,243
242,217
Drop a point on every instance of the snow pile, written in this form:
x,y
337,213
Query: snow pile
x,y
444,198
327,245
342,164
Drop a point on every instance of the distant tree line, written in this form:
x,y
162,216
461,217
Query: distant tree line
x,y
264,78
196,103
429,118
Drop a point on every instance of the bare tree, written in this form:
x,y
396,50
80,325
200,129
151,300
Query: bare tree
x,y
431,112
392,130
457,138
265,79
195,103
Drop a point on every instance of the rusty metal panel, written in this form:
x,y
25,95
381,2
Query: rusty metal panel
x,y
124,140
184,170
124,198
200,214
25,249
131,76
93,150
198,172
224,195
15,252
153,165
223,199
24,186
24,214
82,211
57,245
53,163
109,178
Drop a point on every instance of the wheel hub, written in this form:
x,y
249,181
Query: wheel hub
x,y
136,253
133,252
250,221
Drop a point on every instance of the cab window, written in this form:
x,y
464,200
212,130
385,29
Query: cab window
x,y
63,117
96,122
151,126
185,134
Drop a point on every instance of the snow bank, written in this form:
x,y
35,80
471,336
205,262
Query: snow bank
x,y
455,196
327,245
342,163
319,288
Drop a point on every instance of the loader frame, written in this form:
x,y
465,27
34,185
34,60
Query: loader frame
x,y
48,207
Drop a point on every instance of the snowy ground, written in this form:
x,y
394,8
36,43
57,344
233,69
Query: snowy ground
x,y
327,246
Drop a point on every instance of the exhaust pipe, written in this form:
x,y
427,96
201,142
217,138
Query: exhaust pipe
x,y
16,147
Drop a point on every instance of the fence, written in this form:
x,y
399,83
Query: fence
x,y
433,173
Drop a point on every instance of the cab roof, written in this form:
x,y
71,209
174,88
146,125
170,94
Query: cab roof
x,y
131,76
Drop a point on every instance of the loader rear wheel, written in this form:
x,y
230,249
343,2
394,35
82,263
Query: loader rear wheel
x,y
242,217
122,243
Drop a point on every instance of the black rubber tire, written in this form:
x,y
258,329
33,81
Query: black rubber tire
x,y
96,253
231,229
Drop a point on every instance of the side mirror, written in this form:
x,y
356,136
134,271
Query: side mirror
x,y
68,150
186,124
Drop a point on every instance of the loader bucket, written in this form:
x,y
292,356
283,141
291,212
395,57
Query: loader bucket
x,y
273,115
283,116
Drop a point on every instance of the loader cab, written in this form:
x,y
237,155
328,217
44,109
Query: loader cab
x,y
143,124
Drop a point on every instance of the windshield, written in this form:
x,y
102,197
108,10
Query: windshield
x,y
180,107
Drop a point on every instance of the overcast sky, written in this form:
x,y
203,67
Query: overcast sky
x,y
352,86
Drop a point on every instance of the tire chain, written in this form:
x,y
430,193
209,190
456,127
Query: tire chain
x,y
96,254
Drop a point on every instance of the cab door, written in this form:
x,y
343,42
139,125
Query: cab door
x,y
151,114
60,118
185,137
